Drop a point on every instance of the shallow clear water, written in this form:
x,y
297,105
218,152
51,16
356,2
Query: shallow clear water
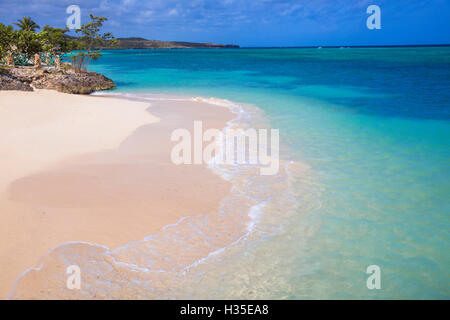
x,y
372,125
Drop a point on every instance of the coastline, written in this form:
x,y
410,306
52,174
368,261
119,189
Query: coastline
x,y
82,195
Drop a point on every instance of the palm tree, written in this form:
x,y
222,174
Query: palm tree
x,y
27,24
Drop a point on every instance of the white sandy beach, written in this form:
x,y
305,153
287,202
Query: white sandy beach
x,y
40,128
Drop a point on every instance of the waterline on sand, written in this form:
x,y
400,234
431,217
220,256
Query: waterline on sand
x,y
162,264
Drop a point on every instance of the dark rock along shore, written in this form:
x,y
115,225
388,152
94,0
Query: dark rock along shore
x,y
65,80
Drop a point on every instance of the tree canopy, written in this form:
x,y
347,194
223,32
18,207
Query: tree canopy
x,y
91,38
26,24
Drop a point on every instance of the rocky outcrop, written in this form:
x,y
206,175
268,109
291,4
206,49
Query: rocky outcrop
x,y
7,82
66,80
79,83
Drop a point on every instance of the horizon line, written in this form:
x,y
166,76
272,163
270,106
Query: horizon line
x,y
353,46
292,47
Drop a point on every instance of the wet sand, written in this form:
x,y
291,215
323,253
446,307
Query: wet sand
x,y
94,169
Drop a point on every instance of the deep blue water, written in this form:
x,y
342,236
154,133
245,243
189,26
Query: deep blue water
x,y
372,124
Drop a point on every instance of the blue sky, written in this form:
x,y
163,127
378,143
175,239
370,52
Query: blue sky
x,y
253,22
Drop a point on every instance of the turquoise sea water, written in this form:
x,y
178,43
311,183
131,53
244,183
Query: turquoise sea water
x,y
373,125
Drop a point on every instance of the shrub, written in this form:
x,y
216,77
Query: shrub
x,y
89,40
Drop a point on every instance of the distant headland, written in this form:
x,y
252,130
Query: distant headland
x,y
141,43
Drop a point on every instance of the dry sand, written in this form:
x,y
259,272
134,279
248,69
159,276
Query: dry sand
x,y
95,169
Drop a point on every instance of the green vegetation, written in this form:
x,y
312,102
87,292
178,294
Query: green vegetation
x,y
23,44
7,39
26,24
